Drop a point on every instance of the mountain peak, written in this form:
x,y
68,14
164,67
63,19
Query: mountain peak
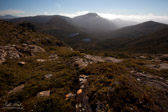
x,y
151,22
92,14
88,15
7,17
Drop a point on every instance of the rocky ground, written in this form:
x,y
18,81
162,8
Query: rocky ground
x,y
41,74
145,79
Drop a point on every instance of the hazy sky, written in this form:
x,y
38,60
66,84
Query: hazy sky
x,y
137,10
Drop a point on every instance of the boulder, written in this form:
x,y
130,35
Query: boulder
x,y
10,52
111,59
47,76
163,66
30,49
43,93
142,57
53,57
41,60
94,59
80,63
21,63
35,49
16,89
158,66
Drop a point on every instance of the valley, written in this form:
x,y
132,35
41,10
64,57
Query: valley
x,y
98,34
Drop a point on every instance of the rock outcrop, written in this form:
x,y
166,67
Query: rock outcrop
x,y
17,51
90,59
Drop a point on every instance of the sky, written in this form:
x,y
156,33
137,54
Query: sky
x,y
134,10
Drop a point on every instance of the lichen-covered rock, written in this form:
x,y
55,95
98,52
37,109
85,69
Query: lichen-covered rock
x,y
9,52
17,51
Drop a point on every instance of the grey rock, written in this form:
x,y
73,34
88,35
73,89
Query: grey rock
x,y
53,57
47,76
163,66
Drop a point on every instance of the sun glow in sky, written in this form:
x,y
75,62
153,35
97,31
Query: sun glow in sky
x,y
137,10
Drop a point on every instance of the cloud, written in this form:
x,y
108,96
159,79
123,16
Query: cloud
x,y
74,14
137,18
11,12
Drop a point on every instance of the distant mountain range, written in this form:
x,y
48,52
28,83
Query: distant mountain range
x,y
89,23
7,17
100,32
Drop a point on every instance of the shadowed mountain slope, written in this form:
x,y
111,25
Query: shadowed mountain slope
x,y
137,30
156,42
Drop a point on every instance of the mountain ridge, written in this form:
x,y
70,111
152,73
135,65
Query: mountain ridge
x,y
137,30
90,27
